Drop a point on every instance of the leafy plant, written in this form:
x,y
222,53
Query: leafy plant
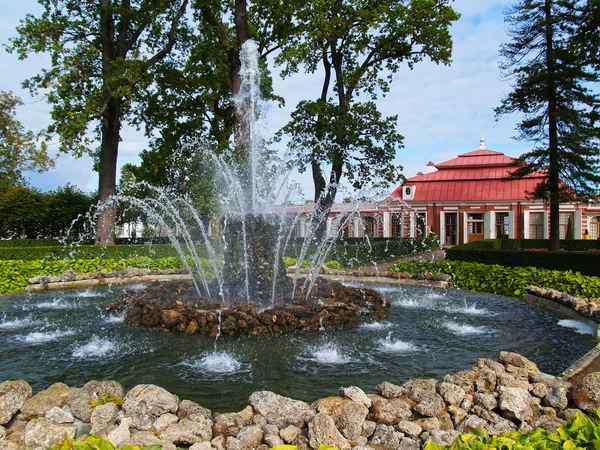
x,y
97,443
106,398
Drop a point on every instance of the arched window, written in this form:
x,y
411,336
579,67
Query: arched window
x,y
595,227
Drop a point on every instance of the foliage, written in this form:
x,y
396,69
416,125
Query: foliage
x,y
97,443
580,432
14,274
21,213
102,58
552,87
18,149
359,46
570,229
107,398
507,281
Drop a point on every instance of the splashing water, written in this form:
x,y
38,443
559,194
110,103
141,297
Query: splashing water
x,y
15,324
217,362
577,325
41,337
96,347
329,354
463,329
390,345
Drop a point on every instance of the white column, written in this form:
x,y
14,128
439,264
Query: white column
x,y
489,222
387,225
546,234
442,229
577,224
412,225
465,228
511,224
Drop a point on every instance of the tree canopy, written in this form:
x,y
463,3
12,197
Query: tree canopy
x,y
19,150
359,46
551,70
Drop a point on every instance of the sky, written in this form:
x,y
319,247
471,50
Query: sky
x,y
442,110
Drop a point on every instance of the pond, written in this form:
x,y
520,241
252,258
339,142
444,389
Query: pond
x,y
66,336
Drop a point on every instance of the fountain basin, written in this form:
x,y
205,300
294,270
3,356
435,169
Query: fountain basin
x,y
176,307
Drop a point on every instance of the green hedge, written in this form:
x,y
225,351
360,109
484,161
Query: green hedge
x,y
507,281
565,244
353,254
14,274
588,263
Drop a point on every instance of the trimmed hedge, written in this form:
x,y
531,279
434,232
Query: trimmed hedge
x,y
380,250
565,244
506,281
588,263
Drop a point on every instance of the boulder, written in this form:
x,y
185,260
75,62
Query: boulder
x,y
186,432
202,446
409,444
465,379
279,410
247,413
389,411
79,399
43,401
430,404
3,432
451,393
147,438
486,380
512,360
228,424
385,437
104,418
164,422
485,400
146,402
457,414
471,421
514,381
121,435
410,428
289,433
490,364
191,410
45,433
389,390
273,440
443,437
586,393
349,416
13,395
251,436
322,430
59,415
540,390
515,403
557,394
356,394
368,428
495,424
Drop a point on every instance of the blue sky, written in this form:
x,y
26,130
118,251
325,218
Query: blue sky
x,y
442,111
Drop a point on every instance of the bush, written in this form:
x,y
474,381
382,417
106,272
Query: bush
x,y
365,252
588,263
507,281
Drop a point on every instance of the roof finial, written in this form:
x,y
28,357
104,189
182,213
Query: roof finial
x,y
482,143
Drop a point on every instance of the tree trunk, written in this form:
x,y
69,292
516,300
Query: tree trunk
x,y
553,172
242,33
107,168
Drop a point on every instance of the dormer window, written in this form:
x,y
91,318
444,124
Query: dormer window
x,y
407,190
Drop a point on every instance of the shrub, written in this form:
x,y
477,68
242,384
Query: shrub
x,y
507,281
96,443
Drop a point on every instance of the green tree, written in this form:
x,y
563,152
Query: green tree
x,y
18,148
65,210
359,46
551,80
21,213
103,54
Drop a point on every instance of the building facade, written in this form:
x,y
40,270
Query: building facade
x,y
469,198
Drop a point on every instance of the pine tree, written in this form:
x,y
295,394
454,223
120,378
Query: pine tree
x,y
551,88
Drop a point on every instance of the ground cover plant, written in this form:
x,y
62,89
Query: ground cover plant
x,y
507,281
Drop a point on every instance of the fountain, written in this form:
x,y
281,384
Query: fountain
x,y
250,287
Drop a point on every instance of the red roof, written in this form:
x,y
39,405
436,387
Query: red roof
x,y
480,175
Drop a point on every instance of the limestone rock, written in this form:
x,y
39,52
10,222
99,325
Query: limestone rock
x,y
202,445
443,437
389,411
586,394
557,394
79,399
59,415
486,380
146,438
485,400
289,433
279,410
493,365
322,430
164,422
429,423
409,444
451,393
45,433
251,436
471,421
519,361
430,404
410,428
368,428
540,390
385,437
247,413
12,396
549,423
515,403
513,381
121,435
186,432
348,415
220,442
357,394
457,414
465,379
103,418
415,386
43,401
389,390
228,424
273,440
496,424
191,410
146,402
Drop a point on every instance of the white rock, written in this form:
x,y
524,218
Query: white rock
x,y
59,415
